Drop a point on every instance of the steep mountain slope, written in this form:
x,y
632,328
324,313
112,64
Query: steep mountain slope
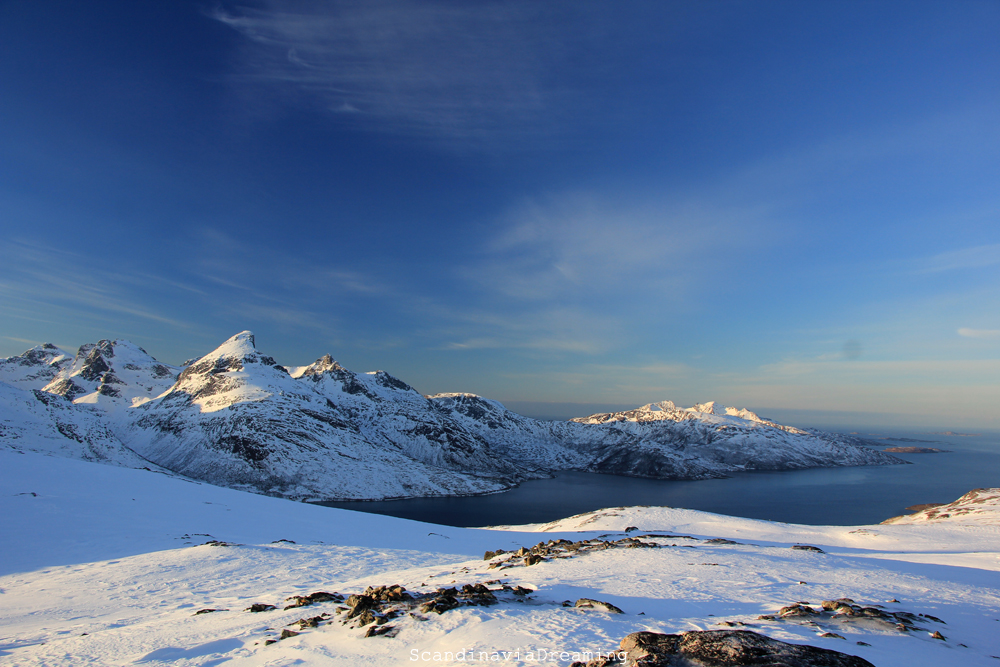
x,y
236,418
387,410
35,368
112,374
36,421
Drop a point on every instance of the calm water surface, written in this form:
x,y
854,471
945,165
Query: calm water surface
x,y
822,496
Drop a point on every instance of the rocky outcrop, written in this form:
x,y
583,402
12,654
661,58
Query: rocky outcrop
x,y
720,648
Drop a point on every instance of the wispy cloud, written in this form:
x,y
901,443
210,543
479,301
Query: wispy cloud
x,y
583,247
979,333
430,68
42,275
975,257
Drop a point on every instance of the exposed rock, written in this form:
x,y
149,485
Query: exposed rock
x,y
587,603
808,547
726,648
382,631
260,606
313,598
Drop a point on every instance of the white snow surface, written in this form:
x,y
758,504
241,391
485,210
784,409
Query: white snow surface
x,y
102,565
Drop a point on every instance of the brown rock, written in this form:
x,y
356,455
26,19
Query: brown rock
x,y
727,648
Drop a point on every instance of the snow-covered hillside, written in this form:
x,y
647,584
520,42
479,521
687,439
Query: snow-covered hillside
x,y
979,506
102,565
237,418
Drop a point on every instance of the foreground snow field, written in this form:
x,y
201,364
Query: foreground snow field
x,y
101,565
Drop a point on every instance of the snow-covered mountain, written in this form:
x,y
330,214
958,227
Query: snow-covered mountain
x,y
37,421
236,418
35,368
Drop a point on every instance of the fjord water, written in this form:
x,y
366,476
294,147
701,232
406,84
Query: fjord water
x,y
820,496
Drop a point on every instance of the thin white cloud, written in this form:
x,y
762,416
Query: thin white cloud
x,y
419,68
976,257
979,333
585,247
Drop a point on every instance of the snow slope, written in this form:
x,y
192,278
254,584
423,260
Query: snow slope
x,y
979,506
107,566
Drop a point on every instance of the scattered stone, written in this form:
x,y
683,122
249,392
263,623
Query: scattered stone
x,y
933,618
304,623
587,603
532,559
631,528
283,541
797,610
441,604
808,547
834,635
358,604
720,540
862,643
478,594
218,543
937,635
207,611
313,598
259,606
285,634
382,631
367,617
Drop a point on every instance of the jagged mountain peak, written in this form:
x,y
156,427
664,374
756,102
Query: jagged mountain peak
x,y
240,345
383,379
111,373
235,372
324,364
35,368
232,355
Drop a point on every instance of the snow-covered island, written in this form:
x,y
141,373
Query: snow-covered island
x,y
237,418
106,565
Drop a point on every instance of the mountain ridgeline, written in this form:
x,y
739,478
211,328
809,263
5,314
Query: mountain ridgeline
x,y
237,418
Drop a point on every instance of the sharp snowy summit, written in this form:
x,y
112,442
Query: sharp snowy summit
x,y
237,418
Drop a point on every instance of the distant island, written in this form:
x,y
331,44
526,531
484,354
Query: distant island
x,y
915,450
906,440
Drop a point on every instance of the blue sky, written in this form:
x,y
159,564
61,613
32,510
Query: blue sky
x,y
785,206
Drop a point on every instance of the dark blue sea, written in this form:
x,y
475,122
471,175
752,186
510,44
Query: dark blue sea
x,y
821,496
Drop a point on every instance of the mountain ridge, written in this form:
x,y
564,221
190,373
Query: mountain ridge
x,y
235,417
